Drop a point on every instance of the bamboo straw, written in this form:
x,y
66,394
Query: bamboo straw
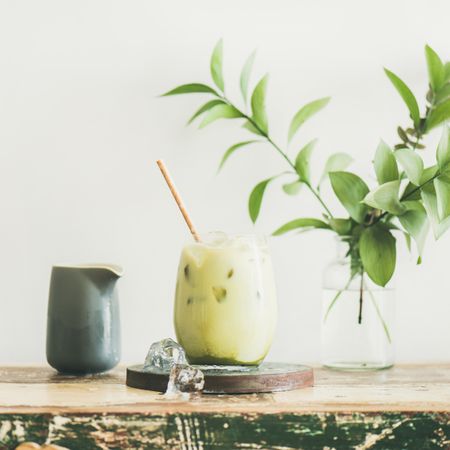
x,y
177,198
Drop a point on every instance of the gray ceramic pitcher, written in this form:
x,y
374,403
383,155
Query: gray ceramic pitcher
x,y
83,324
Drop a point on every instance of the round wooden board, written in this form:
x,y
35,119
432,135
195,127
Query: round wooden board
x,y
268,377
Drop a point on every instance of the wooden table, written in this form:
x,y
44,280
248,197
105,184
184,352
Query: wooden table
x,y
407,407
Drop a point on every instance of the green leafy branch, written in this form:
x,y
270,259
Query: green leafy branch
x,y
256,122
373,214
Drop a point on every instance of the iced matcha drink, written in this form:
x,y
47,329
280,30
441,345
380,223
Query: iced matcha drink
x,y
225,300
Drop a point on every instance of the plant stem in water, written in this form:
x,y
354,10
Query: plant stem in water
x,y
383,322
361,292
338,294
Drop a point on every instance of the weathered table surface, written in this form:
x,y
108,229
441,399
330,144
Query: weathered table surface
x,y
407,407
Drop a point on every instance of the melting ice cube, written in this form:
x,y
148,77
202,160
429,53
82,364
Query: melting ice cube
x,y
163,355
185,380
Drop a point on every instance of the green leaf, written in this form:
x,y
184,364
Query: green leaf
x,y
443,94
206,107
216,65
442,187
402,134
292,188
300,223
302,161
447,71
406,95
411,163
232,149
436,72
378,253
335,163
428,174
385,197
415,222
411,192
430,203
440,113
443,150
258,102
245,75
305,113
193,88
350,190
343,227
407,240
220,112
391,226
385,164
250,127
255,199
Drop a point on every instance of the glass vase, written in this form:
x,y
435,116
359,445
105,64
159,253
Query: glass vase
x,y
357,317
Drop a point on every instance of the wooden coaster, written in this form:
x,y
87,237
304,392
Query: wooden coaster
x,y
268,377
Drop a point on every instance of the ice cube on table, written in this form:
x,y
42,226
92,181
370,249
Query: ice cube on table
x,y
185,380
163,355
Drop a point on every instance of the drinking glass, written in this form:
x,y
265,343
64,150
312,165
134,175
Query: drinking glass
x,y
225,300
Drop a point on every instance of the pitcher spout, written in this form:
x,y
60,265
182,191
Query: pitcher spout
x,y
103,276
114,270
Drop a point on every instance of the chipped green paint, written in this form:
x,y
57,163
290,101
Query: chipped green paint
x,y
359,431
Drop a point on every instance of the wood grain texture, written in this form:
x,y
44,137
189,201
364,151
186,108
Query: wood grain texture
x,y
413,388
407,407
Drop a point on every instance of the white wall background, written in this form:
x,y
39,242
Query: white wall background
x,y
81,125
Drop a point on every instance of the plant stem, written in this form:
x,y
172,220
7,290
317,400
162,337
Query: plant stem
x,y
313,191
404,197
282,153
419,137
361,291
383,322
338,294
317,195
277,148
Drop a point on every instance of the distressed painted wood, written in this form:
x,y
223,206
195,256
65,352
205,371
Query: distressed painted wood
x,y
407,407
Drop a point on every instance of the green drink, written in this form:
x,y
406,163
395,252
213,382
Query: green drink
x,y
225,300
